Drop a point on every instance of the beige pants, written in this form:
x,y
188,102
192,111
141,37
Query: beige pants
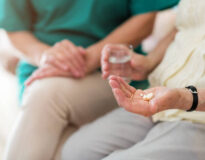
x,y
53,108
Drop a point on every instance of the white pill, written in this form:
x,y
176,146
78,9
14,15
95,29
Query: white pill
x,y
141,95
145,98
148,97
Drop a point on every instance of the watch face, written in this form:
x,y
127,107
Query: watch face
x,y
192,89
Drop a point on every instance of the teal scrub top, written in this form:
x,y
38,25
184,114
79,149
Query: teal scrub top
x,y
84,22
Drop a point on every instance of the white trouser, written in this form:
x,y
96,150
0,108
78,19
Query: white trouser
x,y
121,135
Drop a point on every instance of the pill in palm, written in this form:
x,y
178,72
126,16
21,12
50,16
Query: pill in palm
x,y
148,97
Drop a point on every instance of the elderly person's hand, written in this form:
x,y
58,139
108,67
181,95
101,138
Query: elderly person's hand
x,y
141,65
65,56
150,101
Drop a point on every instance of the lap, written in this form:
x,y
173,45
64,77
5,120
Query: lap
x,y
116,130
84,99
167,141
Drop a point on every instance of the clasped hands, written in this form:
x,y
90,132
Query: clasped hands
x,y
64,59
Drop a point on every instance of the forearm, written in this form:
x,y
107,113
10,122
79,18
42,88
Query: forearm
x,y
30,46
133,31
201,105
186,99
158,53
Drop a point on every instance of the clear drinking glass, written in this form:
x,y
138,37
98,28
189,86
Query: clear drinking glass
x,y
119,62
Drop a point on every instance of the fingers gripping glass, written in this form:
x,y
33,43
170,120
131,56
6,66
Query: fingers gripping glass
x,y
119,62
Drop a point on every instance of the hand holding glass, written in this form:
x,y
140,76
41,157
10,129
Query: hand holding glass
x,y
119,62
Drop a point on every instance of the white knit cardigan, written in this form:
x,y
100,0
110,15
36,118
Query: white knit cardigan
x,y
184,61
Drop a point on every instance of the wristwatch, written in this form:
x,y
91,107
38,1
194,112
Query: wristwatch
x,y
194,92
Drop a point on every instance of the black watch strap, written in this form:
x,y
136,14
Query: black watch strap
x,y
194,92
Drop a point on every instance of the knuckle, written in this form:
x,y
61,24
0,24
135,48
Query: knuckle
x,y
108,45
57,44
66,42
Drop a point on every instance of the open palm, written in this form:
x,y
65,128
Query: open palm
x,y
132,100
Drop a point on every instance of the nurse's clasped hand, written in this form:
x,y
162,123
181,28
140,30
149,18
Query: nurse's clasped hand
x,y
65,56
47,71
63,59
141,65
163,98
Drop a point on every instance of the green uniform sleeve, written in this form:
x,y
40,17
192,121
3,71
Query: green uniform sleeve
x,y
15,15
145,6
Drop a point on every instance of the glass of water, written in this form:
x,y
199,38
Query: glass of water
x,y
119,62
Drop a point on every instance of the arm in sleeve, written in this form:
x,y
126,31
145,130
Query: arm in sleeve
x,y
145,6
